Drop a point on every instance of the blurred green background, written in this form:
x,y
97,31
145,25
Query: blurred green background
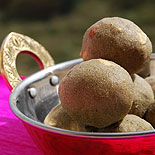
x,y
59,25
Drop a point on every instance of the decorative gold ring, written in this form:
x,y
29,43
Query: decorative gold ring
x,y
12,46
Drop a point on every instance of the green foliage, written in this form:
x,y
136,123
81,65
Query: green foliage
x,y
61,34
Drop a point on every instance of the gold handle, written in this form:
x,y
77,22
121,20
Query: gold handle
x,y
12,46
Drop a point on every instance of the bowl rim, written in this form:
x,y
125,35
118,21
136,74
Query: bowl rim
x,y
42,74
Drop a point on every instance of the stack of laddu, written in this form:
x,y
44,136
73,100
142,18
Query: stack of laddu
x,y
103,93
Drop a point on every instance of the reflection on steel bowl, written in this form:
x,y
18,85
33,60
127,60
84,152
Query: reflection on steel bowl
x,y
35,96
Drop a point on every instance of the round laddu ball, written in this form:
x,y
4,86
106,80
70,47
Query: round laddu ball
x,y
143,96
119,40
130,123
97,92
57,117
150,114
151,81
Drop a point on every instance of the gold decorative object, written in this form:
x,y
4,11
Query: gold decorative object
x,y
12,46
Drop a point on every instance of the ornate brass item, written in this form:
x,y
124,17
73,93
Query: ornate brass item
x,y
15,44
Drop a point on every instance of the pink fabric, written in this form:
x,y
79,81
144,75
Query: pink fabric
x,y
14,139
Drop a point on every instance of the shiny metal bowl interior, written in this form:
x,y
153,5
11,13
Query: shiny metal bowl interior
x,y
32,109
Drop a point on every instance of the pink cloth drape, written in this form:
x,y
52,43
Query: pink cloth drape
x,y
14,139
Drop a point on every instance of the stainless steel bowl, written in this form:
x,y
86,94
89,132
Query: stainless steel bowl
x,y
36,95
